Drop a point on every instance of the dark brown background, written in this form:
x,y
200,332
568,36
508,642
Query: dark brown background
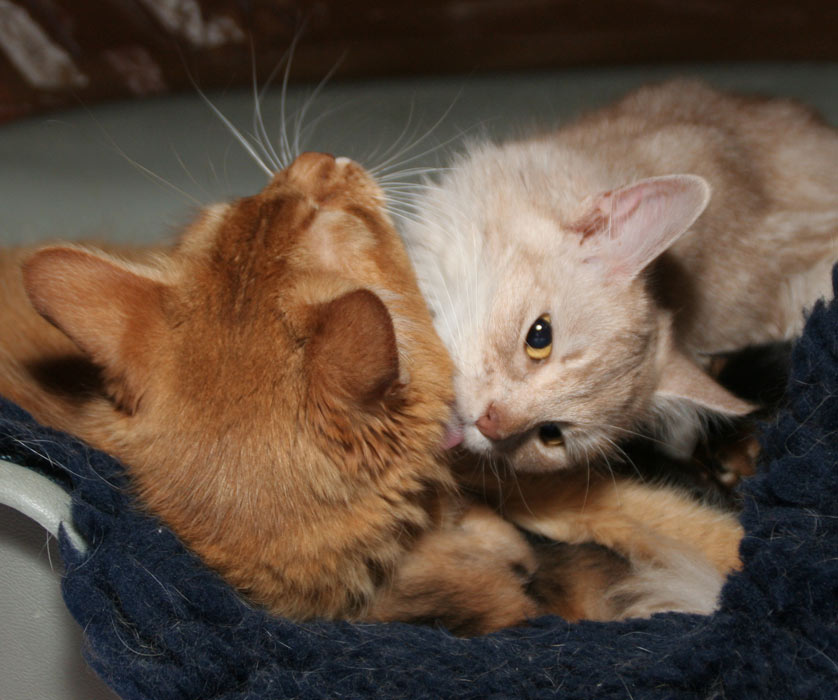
x,y
121,48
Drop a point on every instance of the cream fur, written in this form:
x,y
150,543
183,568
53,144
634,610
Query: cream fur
x,y
497,241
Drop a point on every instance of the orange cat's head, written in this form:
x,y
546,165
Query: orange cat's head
x,y
273,384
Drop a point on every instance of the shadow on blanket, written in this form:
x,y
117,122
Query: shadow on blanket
x,y
159,625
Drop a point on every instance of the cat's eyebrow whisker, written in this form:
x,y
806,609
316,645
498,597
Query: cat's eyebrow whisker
x,y
388,168
258,123
419,215
235,132
412,172
388,164
404,185
400,209
188,171
139,166
309,101
284,143
399,200
159,178
304,132
398,140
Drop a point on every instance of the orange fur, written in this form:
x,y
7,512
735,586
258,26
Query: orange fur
x,y
636,519
275,411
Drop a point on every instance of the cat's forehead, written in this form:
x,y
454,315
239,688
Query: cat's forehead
x,y
538,174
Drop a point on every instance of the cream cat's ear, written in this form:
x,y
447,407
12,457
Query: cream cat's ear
x,y
631,226
107,309
353,349
681,378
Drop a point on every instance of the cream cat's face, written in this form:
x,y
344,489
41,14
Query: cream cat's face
x,y
540,295
554,378
549,373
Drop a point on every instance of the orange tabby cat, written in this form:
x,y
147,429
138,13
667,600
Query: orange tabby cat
x,y
273,383
276,389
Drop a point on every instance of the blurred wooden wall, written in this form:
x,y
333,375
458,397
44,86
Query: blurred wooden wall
x,y
55,53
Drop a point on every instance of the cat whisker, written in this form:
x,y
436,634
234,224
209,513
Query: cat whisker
x,y
634,433
587,480
258,123
188,171
139,166
284,143
490,459
517,484
304,132
309,101
625,456
235,132
419,215
413,172
390,163
604,455
396,142
402,186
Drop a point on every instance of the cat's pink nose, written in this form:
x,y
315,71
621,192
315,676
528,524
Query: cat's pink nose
x,y
490,423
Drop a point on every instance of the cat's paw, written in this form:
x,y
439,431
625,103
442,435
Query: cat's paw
x,y
471,578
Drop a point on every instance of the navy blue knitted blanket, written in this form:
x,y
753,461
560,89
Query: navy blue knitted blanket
x,y
159,625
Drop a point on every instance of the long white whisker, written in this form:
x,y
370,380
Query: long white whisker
x,y
188,173
236,133
381,168
301,114
398,140
258,122
284,144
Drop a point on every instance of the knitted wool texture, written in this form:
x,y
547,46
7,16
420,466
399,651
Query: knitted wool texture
x,y
159,625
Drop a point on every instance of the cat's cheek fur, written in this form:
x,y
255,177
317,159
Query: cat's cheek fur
x,y
534,457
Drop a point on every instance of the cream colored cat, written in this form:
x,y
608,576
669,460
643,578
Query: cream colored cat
x,y
581,278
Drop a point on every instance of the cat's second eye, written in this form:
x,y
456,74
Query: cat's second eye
x,y
539,340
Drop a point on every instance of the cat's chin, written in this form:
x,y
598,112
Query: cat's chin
x,y
475,442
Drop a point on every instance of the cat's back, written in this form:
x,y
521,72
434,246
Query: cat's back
x,y
766,241
779,150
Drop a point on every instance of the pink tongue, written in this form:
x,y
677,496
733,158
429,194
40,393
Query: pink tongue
x,y
453,436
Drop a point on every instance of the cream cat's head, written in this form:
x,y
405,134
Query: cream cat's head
x,y
537,276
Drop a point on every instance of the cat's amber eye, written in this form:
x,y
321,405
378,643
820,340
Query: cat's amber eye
x,y
550,435
539,340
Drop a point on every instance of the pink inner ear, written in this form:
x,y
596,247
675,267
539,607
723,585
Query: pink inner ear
x,y
633,225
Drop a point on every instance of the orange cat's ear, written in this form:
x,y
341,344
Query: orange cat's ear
x,y
633,225
107,309
353,348
681,378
